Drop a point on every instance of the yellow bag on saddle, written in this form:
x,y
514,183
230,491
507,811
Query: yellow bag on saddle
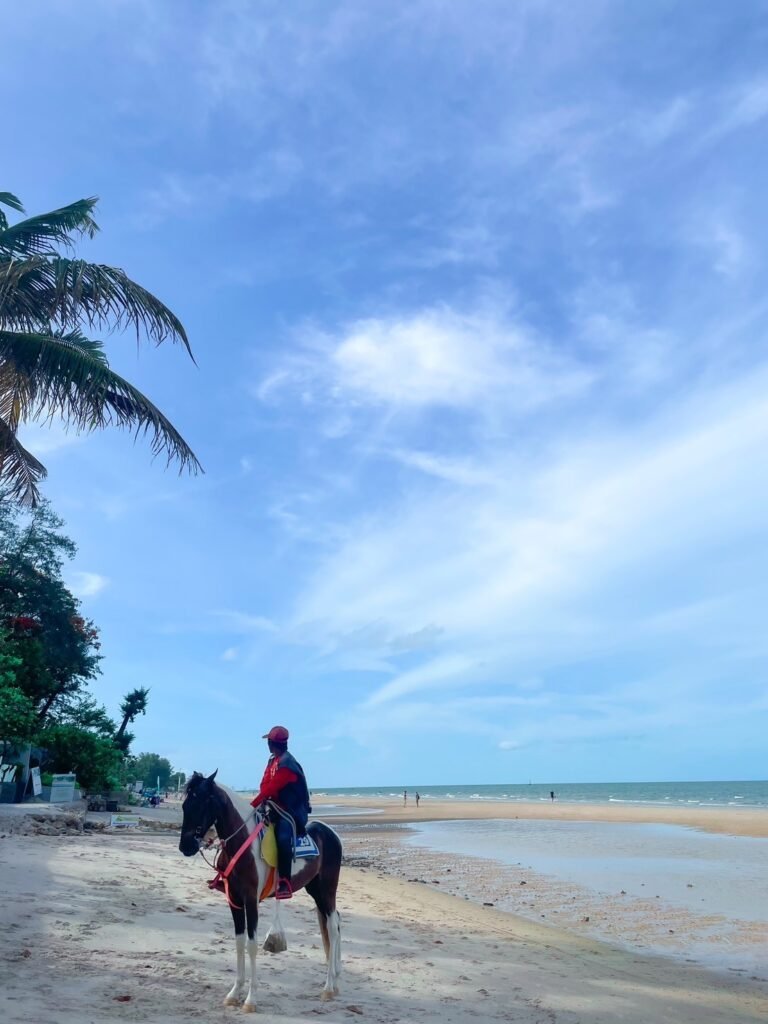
x,y
269,846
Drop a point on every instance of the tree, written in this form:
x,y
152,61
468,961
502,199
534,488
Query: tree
x,y
40,620
95,760
17,712
149,767
134,704
83,711
48,366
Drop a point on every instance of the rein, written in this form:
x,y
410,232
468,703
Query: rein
x,y
223,876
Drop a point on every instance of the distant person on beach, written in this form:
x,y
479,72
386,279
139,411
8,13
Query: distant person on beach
x,y
284,789
405,798
417,799
552,795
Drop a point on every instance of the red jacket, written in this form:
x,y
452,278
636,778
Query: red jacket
x,y
273,781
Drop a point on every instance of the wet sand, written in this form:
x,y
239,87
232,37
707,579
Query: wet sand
x,y
735,821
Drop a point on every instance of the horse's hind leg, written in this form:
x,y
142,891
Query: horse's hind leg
x,y
252,920
323,892
235,995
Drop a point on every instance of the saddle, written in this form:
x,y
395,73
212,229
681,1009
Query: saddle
x,y
304,848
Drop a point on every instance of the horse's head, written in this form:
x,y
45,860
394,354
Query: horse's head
x,y
200,809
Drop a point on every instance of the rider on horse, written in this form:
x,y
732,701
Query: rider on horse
x,y
284,788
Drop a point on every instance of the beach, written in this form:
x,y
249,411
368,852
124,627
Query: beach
x,y
106,926
736,821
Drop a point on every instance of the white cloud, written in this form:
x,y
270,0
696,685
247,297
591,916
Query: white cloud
x,y
230,654
242,622
436,674
549,564
432,358
659,126
749,105
87,584
441,357
43,439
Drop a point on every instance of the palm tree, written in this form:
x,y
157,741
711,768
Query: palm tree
x,y
134,704
48,366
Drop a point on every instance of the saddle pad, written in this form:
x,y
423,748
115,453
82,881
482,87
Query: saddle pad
x,y
306,847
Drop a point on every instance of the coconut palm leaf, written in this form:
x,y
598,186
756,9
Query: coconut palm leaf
x,y
47,375
10,200
78,294
48,367
40,235
20,471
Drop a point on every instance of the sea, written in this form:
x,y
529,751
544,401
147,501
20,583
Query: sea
x,y
691,794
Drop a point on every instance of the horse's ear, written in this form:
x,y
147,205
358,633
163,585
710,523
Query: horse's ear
x,y
212,777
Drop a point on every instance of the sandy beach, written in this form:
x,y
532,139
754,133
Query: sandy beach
x,y
103,926
736,821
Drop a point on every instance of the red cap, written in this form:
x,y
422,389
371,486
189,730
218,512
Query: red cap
x,y
277,734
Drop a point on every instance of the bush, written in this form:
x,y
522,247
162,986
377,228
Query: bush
x,y
92,758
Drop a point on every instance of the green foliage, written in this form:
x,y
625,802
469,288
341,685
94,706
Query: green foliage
x,y
84,712
147,768
134,704
17,713
17,716
92,758
48,367
40,621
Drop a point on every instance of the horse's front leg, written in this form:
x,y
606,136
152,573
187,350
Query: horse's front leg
x,y
235,995
252,920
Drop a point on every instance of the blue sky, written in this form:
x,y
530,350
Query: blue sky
x,y
477,293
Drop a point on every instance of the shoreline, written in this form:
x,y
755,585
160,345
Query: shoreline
x,y
735,821
634,905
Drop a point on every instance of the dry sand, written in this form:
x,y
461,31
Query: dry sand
x,y
102,927
736,821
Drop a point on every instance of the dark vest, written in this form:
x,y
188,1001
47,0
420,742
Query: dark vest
x,y
295,796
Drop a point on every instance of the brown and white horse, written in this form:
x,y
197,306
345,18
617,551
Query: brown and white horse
x,y
207,804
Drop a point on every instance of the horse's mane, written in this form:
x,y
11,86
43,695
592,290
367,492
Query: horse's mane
x,y
239,802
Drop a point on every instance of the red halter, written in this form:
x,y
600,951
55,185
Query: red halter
x,y
223,876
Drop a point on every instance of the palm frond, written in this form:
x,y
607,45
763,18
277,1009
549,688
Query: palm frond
x,y
75,294
12,202
20,472
98,295
39,235
48,375
23,293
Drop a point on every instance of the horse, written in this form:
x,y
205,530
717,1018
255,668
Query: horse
x,y
207,804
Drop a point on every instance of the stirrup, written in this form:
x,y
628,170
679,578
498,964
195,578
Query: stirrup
x,y
283,890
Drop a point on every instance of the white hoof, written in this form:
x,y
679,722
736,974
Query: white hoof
x,y
249,1007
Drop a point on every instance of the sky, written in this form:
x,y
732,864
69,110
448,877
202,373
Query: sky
x,y
477,297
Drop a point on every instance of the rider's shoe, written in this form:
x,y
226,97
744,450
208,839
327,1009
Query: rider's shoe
x,y
216,884
283,891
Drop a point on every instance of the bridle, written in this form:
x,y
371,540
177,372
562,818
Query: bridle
x,y
220,843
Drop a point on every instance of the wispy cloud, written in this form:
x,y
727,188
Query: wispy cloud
x,y
435,358
87,584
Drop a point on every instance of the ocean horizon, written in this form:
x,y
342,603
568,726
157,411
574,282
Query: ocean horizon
x,y
725,793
